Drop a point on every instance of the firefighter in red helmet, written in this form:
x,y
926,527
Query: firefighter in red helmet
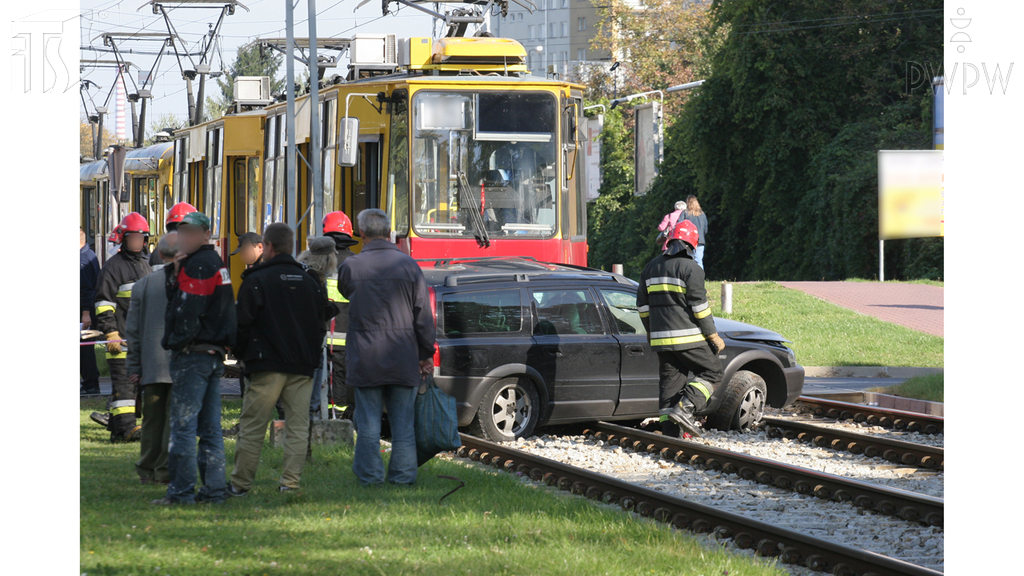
x,y
338,226
113,295
174,216
673,306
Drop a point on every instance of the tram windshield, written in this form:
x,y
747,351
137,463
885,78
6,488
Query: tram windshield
x,y
493,153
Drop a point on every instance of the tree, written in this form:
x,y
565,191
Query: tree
x,y
85,132
250,60
164,121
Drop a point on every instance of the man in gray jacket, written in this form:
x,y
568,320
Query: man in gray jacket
x,y
389,344
148,364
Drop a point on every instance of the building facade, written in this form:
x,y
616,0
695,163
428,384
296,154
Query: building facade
x,y
557,34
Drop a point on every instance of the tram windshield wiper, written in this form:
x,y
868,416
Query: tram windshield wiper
x,y
475,218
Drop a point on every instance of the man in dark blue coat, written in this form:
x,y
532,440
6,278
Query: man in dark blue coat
x,y
389,345
88,273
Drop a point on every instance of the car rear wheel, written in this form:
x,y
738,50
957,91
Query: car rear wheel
x,y
509,409
742,404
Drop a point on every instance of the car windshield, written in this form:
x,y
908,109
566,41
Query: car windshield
x,y
484,160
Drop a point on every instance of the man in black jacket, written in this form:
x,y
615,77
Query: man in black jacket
x,y
88,272
113,296
390,345
282,317
199,329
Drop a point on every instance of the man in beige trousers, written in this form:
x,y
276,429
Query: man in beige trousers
x,y
282,319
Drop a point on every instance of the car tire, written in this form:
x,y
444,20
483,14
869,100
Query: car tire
x,y
497,421
742,403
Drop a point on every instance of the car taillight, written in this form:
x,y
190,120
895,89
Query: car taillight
x,y
433,311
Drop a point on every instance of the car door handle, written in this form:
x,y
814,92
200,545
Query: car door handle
x,y
553,352
636,350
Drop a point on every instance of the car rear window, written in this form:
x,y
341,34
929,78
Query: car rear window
x,y
491,311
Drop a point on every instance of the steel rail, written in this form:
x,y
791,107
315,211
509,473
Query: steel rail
x,y
884,500
766,539
870,445
887,417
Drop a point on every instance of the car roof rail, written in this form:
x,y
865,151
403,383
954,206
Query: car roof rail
x,y
456,279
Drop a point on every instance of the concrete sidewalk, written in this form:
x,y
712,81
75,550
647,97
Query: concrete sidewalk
x,y
916,306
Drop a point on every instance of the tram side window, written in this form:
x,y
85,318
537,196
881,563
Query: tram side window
x,y
366,177
212,182
253,202
181,180
330,141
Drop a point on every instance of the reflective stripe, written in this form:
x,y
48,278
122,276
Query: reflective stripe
x,y
122,403
702,306
666,288
123,410
674,341
703,314
644,308
336,341
675,333
336,407
645,314
332,291
120,356
703,389
665,280
125,290
104,306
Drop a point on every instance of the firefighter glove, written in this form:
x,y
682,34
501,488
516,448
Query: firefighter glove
x,y
113,347
717,345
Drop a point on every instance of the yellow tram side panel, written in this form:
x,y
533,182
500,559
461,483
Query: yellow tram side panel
x,y
142,165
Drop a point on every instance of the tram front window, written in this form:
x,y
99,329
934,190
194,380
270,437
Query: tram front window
x,y
491,152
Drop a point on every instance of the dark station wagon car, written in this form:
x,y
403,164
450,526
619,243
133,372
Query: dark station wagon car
x,y
524,343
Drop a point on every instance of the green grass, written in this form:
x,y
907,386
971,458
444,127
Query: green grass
x,y
928,387
494,525
938,283
824,334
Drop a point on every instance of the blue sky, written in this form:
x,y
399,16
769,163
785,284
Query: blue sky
x,y
265,19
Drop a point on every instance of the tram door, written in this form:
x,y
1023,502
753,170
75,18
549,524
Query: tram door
x,y
90,216
243,214
364,179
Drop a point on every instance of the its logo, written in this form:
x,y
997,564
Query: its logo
x,y
960,24
225,277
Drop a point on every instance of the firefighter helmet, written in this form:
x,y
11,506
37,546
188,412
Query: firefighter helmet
x,y
686,232
133,223
337,222
177,212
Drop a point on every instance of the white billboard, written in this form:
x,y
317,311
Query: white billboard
x,y
648,150
910,194
592,155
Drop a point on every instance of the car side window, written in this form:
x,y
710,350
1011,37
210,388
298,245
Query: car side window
x,y
561,311
492,311
622,306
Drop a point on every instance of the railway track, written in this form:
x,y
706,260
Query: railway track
x,y
885,417
889,501
872,446
765,539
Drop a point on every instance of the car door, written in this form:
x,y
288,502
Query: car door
x,y
638,373
575,353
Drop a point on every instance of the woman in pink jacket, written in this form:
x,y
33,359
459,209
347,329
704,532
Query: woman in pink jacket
x,y
669,221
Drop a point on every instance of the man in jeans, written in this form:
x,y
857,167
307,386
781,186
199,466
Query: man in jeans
x,y
199,328
390,343
282,319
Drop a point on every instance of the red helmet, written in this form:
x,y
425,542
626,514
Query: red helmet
x,y
178,211
133,223
686,232
337,222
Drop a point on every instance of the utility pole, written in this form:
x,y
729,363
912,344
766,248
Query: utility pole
x,y
291,200
317,185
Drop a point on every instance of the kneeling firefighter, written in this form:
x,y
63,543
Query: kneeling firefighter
x,y
673,306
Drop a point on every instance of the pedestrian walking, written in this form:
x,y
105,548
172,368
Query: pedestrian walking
x,y
88,273
389,345
113,296
669,222
174,216
199,329
673,306
695,215
338,227
148,364
282,315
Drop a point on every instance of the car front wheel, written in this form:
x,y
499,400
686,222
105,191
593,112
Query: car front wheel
x,y
509,409
742,403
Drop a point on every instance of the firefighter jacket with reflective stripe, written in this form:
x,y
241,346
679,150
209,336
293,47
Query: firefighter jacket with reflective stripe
x,y
337,336
673,303
114,289
201,304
